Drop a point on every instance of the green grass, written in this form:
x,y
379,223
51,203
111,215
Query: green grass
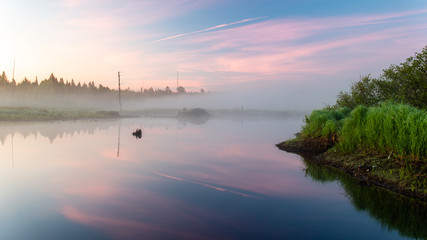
x,y
36,114
393,129
324,123
385,143
389,129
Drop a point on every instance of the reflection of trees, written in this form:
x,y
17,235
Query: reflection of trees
x,y
393,211
58,129
52,130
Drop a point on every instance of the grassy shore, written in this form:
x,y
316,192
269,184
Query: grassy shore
x,y
384,145
38,114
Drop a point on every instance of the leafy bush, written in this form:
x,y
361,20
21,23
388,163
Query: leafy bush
x,y
389,116
368,91
405,83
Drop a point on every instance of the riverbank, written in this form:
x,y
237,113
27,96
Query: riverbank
x,y
41,114
387,171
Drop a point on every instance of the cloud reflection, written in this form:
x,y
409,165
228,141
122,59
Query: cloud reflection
x,y
173,184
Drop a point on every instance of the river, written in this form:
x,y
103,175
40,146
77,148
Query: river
x,y
220,179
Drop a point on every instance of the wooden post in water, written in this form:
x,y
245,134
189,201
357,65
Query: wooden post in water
x,y
120,96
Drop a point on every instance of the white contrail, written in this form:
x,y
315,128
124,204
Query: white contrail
x,y
208,29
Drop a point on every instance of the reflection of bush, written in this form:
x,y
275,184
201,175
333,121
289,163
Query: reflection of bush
x,y
319,173
197,116
393,211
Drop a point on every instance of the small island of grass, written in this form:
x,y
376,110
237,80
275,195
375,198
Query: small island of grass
x,y
377,132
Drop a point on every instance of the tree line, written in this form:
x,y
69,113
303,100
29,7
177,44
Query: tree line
x,y
53,85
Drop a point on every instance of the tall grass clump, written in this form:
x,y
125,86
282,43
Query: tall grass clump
x,y
389,128
325,123
351,131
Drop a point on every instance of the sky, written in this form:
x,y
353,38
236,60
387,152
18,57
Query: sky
x,y
293,52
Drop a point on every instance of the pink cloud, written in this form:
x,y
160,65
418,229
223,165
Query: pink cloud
x,y
285,47
226,54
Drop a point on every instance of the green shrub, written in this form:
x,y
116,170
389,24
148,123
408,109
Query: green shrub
x,y
352,129
325,123
389,128
405,83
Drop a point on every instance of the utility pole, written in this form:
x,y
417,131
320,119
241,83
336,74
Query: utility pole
x,y
120,96
177,76
13,76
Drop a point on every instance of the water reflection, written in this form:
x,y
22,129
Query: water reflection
x,y
118,138
52,130
220,180
393,211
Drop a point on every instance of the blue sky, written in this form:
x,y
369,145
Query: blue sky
x,y
286,50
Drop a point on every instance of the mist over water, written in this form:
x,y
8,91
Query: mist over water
x,y
231,101
274,100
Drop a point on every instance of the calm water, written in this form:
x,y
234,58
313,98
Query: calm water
x,y
224,179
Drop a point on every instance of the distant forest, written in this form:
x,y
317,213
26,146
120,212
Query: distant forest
x,y
54,86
